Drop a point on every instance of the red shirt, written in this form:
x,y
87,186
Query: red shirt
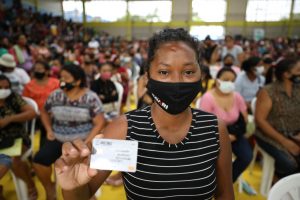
x,y
40,93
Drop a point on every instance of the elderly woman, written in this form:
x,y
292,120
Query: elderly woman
x,y
277,116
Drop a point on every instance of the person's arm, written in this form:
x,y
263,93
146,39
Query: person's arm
x,y
263,108
77,180
242,106
27,113
46,120
224,167
98,125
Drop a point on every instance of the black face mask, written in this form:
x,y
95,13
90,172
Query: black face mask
x,y
39,75
295,79
174,98
66,86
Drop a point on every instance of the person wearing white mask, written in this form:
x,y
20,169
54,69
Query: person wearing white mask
x,y
14,111
230,107
17,76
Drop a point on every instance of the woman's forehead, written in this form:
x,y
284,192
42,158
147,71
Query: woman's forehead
x,y
4,83
175,50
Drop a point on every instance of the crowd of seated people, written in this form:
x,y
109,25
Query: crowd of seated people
x,y
70,71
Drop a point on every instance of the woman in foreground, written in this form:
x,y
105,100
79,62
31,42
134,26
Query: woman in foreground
x,y
183,153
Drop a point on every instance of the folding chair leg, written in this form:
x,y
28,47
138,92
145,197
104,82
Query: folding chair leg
x,y
21,188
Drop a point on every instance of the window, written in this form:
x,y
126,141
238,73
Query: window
x,y
105,11
215,32
209,11
297,9
150,11
73,10
268,10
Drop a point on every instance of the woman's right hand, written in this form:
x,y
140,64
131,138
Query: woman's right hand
x,y
72,168
50,135
292,147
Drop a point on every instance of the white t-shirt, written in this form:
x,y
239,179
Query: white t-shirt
x,y
18,79
235,51
248,88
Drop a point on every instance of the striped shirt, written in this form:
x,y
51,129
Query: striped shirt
x,y
186,170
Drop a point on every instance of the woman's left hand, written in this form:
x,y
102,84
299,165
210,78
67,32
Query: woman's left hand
x,y
4,122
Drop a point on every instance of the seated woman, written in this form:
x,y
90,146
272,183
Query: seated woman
x,y
40,87
277,117
106,90
69,113
229,106
228,61
250,79
14,111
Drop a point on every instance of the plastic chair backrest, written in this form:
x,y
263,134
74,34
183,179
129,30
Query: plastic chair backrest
x,y
120,91
287,188
30,126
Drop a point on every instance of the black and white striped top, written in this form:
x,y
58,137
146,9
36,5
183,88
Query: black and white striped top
x,y
186,170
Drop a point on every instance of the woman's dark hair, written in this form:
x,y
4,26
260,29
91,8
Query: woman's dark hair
x,y
106,63
250,63
206,76
46,65
223,70
171,35
3,77
77,73
283,66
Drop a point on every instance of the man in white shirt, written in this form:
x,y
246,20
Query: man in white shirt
x,y
235,50
17,76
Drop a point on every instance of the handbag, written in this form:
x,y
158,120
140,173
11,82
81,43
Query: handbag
x,y
239,127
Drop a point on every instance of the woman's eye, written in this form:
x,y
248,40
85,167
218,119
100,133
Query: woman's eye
x,y
163,72
189,72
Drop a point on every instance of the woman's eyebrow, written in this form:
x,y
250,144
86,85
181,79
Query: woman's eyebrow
x,y
165,64
168,65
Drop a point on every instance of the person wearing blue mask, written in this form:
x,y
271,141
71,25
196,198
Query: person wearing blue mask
x,y
183,153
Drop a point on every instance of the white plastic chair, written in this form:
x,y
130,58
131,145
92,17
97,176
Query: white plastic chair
x,y
268,162
20,185
120,91
31,125
287,188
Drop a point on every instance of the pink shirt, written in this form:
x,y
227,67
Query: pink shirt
x,y
209,104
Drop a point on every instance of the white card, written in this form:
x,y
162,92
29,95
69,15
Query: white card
x,y
117,155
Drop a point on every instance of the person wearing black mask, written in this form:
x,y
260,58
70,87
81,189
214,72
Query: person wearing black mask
x,y
228,61
70,112
39,88
277,117
183,153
